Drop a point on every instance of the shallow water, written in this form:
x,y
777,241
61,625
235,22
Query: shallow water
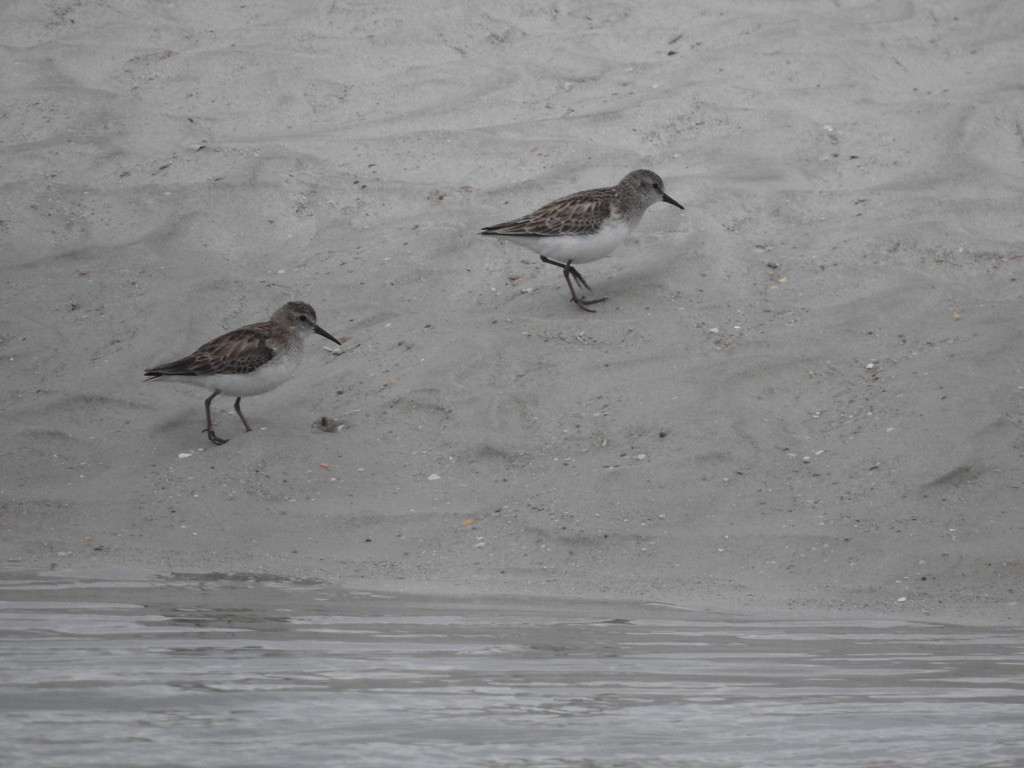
x,y
230,671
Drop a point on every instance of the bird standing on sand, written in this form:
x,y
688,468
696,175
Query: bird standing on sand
x,y
585,226
247,361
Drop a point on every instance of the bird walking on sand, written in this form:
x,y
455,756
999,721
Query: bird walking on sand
x,y
585,226
247,361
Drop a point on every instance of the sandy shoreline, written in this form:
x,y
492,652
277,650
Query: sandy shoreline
x,y
804,394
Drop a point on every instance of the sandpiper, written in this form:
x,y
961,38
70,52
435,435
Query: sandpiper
x,y
247,361
585,226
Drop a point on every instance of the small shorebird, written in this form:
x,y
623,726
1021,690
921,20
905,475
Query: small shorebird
x,y
585,226
247,361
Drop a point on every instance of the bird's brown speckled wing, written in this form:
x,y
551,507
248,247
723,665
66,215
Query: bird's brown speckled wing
x,y
240,351
581,213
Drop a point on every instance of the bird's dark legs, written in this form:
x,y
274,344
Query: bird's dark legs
x,y
238,410
571,273
209,421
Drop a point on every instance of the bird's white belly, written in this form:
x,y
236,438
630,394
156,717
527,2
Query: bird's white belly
x,y
261,380
268,377
578,248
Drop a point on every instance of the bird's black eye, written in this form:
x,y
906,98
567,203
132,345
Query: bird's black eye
x,y
303,319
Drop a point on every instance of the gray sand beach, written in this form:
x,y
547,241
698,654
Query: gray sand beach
x,y
804,395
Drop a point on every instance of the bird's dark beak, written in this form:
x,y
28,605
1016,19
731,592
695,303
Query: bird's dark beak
x,y
325,334
666,199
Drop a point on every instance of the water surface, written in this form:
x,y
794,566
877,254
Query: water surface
x,y
218,670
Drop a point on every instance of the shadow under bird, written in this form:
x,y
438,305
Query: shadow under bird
x,y
585,226
247,361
